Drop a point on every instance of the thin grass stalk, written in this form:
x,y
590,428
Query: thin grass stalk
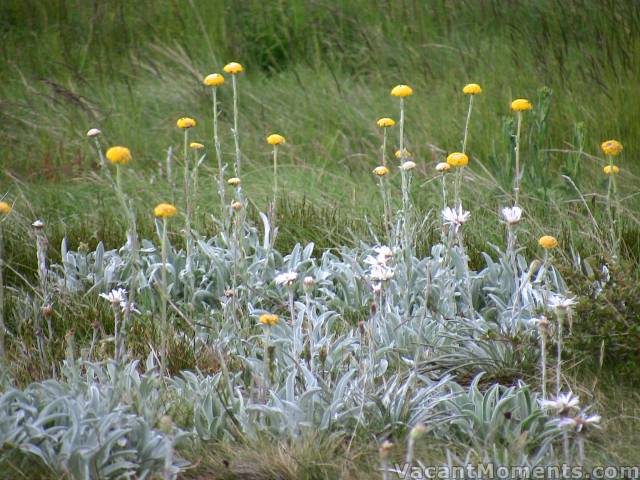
x,y
41,253
516,187
188,218
218,148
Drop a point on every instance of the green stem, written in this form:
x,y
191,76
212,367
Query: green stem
x,y
218,147
2,328
516,188
275,178
236,134
466,125
163,302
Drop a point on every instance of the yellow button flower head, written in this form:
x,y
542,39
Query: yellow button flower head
x,y
213,80
443,167
402,91
5,208
275,139
386,122
611,147
381,171
611,169
403,154
472,89
196,145
269,319
165,210
119,155
521,104
457,159
548,242
233,68
186,122
234,181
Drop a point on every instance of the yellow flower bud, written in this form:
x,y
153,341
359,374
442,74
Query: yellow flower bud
x,y
520,105
119,155
165,210
457,159
275,139
402,91
233,68
213,80
472,89
548,242
186,122
611,147
381,171
386,122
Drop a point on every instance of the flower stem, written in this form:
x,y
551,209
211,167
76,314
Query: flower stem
x,y
543,362
611,191
163,302
466,125
559,353
275,178
516,188
236,134
218,147
2,328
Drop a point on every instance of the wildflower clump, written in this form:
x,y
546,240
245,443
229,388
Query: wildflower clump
x,y
165,210
119,155
472,89
458,159
213,80
548,242
611,147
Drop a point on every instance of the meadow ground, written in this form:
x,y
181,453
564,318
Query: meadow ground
x,y
320,73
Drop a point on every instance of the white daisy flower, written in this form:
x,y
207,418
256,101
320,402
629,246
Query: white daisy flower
x,y
408,165
286,278
560,302
116,297
512,215
455,217
581,421
381,273
563,404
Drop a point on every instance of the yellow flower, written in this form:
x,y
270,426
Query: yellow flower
x,y
186,122
386,122
119,155
402,91
275,139
213,80
443,167
235,181
457,159
520,105
609,169
611,147
5,208
548,242
196,145
269,319
233,68
165,210
405,153
381,171
472,89
236,205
